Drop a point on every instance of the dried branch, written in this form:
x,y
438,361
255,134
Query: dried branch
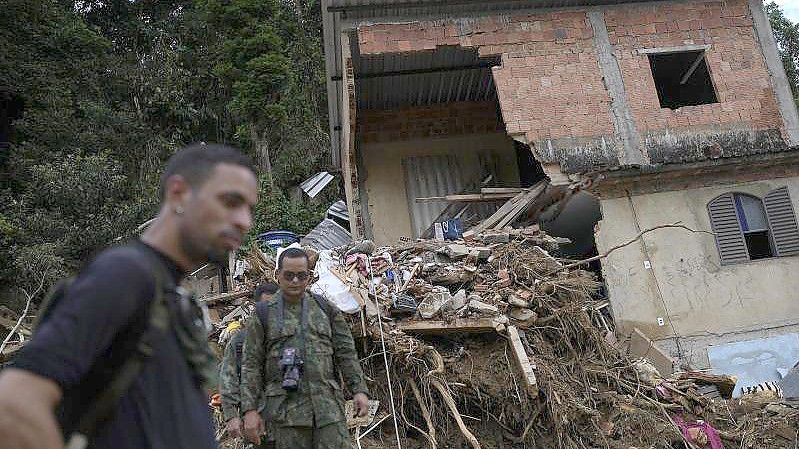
x,y
431,430
24,313
629,242
447,397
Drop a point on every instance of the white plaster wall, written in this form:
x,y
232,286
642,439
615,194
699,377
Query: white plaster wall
x,y
701,301
385,178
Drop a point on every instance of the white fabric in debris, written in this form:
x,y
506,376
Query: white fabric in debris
x,y
331,286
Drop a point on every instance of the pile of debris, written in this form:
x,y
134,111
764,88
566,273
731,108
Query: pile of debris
x,y
495,342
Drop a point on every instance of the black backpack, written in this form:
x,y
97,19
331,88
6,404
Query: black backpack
x,y
88,405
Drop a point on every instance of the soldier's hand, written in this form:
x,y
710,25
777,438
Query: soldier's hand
x,y
253,427
361,404
234,427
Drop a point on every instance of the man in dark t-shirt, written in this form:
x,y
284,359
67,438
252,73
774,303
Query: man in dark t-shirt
x,y
208,192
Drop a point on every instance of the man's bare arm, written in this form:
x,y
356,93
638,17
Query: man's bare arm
x,y
27,404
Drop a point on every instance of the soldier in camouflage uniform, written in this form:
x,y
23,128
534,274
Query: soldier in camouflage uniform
x,y
312,417
230,371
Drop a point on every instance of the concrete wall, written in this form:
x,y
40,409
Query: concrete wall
x,y
385,177
700,301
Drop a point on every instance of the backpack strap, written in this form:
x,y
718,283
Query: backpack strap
x,y
238,347
328,307
262,310
99,410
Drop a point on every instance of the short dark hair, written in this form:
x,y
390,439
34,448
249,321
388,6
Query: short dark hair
x,y
267,288
196,161
292,253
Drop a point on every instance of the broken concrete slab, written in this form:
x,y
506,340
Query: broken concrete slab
x,y
433,304
524,316
482,307
523,363
501,319
516,301
641,346
480,252
495,237
459,300
455,251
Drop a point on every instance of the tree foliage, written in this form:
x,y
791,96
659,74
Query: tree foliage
x,y
787,35
111,89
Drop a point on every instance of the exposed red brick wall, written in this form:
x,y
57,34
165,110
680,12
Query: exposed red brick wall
x,y
735,61
449,119
549,84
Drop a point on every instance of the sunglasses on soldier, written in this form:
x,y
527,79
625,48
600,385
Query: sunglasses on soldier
x,y
300,276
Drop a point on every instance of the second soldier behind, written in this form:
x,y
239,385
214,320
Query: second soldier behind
x,y
230,372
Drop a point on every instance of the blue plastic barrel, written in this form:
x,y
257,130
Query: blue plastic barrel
x,y
278,239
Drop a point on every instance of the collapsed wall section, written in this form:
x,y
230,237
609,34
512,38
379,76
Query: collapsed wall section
x,y
550,90
578,85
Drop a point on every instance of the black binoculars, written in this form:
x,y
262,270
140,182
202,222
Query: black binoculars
x,y
291,364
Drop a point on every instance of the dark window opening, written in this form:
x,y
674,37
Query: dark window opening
x,y
682,79
758,244
754,226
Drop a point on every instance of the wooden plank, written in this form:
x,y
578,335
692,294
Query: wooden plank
x,y
498,215
469,197
458,326
226,297
522,361
513,190
524,203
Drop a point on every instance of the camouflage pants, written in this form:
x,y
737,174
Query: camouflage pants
x,y
331,436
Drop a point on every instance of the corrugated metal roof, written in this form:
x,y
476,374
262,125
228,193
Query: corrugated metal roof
x,y
326,235
339,210
313,185
429,176
443,75
426,89
369,9
440,58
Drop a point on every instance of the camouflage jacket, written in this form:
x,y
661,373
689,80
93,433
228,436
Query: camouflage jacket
x,y
329,346
230,378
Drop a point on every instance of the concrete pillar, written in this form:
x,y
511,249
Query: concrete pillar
x,y
626,132
779,81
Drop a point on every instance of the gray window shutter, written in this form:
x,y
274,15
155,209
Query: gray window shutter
x,y
729,238
782,221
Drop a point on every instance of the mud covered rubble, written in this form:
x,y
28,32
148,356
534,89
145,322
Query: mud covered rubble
x,y
454,315
458,383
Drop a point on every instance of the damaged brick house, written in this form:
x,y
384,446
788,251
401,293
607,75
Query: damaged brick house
x,y
682,107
